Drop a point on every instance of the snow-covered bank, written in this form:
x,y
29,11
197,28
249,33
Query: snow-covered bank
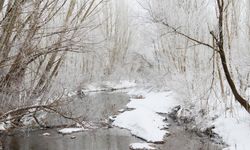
x,y
235,130
160,102
142,146
144,117
104,86
144,121
225,117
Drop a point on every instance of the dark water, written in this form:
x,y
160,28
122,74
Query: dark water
x,y
95,108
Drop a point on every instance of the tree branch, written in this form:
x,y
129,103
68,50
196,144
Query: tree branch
x,y
189,37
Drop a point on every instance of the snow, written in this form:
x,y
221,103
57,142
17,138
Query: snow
x,y
109,85
121,84
144,121
142,146
112,118
248,92
160,102
46,134
235,130
2,128
70,94
71,130
231,122
121,110
105,86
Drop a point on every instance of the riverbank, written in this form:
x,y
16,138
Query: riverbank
x,y
156,116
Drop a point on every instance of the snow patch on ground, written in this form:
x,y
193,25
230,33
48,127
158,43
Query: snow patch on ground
x,y
2,127
229,119
121,84
144,121
109,85
104,86
71,130
46,134
142,146
235,130
160,102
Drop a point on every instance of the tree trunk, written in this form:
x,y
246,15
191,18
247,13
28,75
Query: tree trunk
x,y
237,96
220,44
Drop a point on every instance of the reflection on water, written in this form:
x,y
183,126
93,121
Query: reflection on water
x,y
183,139
94,108
101,139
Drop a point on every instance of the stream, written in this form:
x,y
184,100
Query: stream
x,y
96,107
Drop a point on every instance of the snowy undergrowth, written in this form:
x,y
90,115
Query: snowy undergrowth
x,y
103,86
234,128
235,132
144,121
230,121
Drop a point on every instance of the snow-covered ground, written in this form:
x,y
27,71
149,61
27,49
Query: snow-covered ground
x,y
142,146
234,128
2,126
104,86
160,102
231,122
144,121
143,117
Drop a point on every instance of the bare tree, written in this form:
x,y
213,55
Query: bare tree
x,y
35,38
116,31
218,46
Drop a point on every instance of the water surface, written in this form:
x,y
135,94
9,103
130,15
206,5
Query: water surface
x,y
101,139
96,107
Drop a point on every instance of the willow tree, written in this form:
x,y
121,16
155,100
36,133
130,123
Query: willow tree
x,y
35,37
